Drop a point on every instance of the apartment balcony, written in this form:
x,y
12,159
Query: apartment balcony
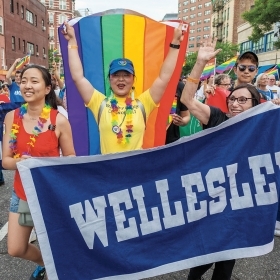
x,y
218,5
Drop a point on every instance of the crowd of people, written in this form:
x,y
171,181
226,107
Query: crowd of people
x,y
38,116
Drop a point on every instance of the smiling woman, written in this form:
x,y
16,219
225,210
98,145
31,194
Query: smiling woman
x,y
35,129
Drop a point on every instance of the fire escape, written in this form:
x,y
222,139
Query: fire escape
x,y
218,20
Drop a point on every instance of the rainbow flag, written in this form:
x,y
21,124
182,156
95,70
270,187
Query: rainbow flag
x,y
209,69
112,34
272,71
55,52
226,65
24,61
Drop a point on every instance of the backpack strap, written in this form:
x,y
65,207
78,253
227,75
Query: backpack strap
x,y
103,103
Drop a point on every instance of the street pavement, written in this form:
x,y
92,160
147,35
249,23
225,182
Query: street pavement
x,y
265,267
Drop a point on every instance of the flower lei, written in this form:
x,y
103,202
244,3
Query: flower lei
x,y
45,114
128,116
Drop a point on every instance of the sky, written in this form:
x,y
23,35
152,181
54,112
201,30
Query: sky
x,y
154,9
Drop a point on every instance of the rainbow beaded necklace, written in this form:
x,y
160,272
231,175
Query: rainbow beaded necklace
x,y
116,128
45,114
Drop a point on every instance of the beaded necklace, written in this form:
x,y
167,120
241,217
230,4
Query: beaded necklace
x,y
116,128
45,114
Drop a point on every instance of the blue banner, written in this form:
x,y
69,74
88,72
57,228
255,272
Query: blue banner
x,y
208,197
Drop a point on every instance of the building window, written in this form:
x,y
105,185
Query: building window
x,y
207,12
44,51
198,29
191,46
192,16
191,38
51,18
199,14
192,23
206,28
50,3
1,26
192,8
62,4
29,17
207,4
199,22
199,6
22,12
35,20
246,46
205,36
206,20
185,3
43,23
11,6
17,8
43,2
269,42
62,18
185,17
13,43
19,43
228,13
30,48
193,1
198,38
23,46
185,10
192,31
2,56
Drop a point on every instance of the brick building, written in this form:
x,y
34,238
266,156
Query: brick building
x,y
25,30
198,14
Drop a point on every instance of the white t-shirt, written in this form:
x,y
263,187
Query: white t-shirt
x,y
275,90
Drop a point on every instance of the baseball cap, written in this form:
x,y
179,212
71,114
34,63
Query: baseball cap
x,y
121,64
249,55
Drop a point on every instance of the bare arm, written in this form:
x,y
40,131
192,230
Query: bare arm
x,y
56,74
10,71
65,136
84,87
196,108
8,161
158,87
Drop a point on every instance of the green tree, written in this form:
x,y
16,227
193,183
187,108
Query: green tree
x,y
228,50
52,58
262,16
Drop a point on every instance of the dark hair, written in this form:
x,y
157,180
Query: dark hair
x,y
18,72
254,93
51,96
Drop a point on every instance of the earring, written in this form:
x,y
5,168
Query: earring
x,y
132,93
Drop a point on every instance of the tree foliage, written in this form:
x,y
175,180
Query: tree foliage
x,y
262,16
52,58
228,50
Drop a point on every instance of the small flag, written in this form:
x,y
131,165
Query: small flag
x,y
227,65
55,52
24,61
209,69
272,71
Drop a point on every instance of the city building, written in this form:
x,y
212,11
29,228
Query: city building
x,y
24,30
198,14
2,43
172,16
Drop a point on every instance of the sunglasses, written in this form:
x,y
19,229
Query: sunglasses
x,y
242,67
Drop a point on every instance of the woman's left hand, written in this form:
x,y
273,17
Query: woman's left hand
x,y
177,120
178,34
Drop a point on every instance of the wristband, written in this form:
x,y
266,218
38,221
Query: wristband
x,y
72,47
193,80
174,46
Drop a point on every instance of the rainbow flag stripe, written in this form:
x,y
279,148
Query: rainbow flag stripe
x,y
273,71
112,34
209,69
226,65
55,52
25,60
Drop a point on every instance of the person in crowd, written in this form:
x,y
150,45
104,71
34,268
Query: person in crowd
x,y
184,79
273,87
222,83
206,88
179,115
121,129
59,84
22,141
246,67
243,97
261,85
15,94
5,89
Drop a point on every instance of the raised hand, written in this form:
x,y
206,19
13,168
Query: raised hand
x,y
178,33
207,49
68,31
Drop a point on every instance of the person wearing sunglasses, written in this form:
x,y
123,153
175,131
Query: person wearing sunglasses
x,y
272,86
246,67
243,97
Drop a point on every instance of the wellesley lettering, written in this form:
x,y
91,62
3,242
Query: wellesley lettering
x,y
92,220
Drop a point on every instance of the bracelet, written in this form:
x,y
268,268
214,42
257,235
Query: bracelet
x,y
174,46
193,80
72,47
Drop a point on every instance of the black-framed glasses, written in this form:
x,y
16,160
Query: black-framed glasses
x,y
227,85
242,67
240,99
